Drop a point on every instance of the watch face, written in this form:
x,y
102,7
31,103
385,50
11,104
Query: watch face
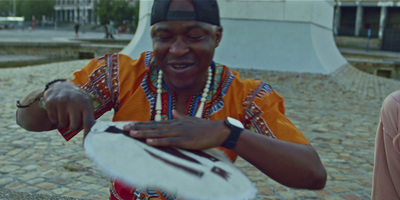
x,y
235,122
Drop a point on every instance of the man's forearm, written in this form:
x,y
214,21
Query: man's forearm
x,y
293,165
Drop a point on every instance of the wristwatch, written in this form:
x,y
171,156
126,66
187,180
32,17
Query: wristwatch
x,y
236,128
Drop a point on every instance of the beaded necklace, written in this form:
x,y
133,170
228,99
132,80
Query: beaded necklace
x,y
203,99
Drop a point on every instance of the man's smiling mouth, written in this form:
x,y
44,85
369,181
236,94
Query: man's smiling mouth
x,y
179,66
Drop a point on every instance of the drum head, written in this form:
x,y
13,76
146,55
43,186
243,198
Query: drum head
x,y
185,173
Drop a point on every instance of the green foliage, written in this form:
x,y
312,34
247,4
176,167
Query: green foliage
x,y
37,8
136,13
6,8
27,8
102,11
116,11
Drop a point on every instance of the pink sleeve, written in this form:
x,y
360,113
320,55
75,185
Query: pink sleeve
x,y
387,159
391,120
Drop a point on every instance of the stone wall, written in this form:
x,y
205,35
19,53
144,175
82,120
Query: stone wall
x,y
42,52
358,42
383,69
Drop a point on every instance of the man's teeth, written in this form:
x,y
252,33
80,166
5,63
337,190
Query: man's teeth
x,y
180,66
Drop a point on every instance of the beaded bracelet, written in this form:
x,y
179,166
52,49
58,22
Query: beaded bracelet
x,y
19,105
52,82
40,99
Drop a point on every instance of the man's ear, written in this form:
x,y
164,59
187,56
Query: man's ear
x,y
218,36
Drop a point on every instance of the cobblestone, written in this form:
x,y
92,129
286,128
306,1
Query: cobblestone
x,y
338,113
339,122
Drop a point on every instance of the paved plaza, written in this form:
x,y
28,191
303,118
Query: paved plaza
x,y
338,113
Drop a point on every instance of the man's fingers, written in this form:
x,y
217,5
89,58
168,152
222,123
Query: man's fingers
x,y
151,133
170,141
53,116
88,120
69,107
63,117
51,112
75,120
152,125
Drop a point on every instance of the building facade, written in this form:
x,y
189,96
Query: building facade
x,y
75,11
367,18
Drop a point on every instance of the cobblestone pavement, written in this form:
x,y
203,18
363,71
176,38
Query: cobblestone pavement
x,y
339,122
338,114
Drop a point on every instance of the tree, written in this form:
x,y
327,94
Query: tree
x,y
136,14
37,8
116,11
103,11
27,8
6,7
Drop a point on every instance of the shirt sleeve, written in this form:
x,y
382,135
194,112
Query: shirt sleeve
x,y
264,113
386,159
99,78
389,114
390,121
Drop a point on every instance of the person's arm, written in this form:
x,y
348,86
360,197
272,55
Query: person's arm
x,y
293,165
74,105
65,105
387,158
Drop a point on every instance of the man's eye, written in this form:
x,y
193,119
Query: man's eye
x,y
195,37
164,37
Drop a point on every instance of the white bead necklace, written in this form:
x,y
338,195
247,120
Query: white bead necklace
x,y
203,99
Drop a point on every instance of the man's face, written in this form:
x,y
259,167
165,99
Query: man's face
x,y
184,50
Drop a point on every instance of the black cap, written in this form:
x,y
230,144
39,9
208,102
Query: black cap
x,y
204,11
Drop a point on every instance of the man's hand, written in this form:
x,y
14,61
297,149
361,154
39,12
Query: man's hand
x,y
184,132
68,106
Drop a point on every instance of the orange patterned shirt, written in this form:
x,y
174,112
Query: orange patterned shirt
x,y
118,82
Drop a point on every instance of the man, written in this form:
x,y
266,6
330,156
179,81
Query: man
x,y
108,30
196,100
76,27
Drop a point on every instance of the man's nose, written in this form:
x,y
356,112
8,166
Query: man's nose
x,y
179,47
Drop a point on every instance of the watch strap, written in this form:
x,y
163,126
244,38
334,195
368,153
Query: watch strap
x,y
233,137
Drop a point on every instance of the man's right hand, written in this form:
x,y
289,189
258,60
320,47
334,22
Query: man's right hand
x,y
68,106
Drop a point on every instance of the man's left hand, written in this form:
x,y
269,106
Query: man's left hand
x,y
183,132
